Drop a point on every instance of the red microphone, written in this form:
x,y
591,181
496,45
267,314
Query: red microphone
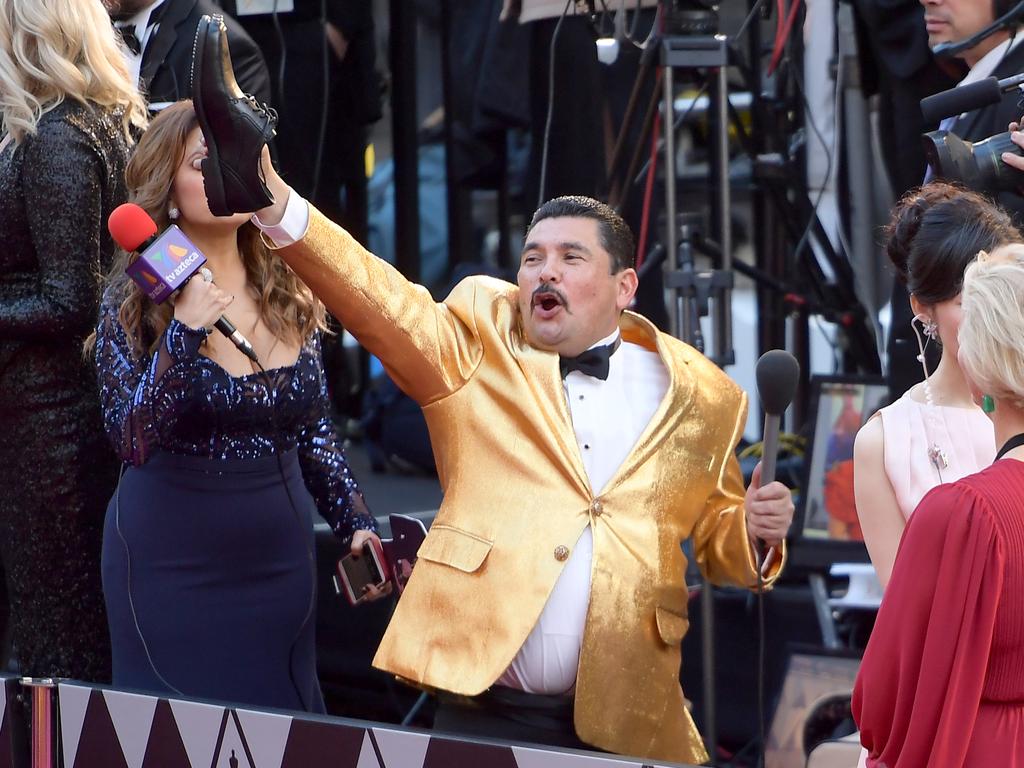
x,y
166,262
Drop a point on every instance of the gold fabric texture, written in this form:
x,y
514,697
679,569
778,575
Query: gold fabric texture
x,y
516,497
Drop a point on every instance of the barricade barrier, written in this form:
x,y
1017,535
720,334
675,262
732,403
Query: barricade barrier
x,y
106,728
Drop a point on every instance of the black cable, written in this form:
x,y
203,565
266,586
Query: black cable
x,y
310,555
551,106
675,127
131,599
750,17
322,137
284,56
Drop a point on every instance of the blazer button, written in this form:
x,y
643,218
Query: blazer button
x,y
561,553
596,507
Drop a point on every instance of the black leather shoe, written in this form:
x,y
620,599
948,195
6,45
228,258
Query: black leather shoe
x,y
234,124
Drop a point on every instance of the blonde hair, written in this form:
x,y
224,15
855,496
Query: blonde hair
x,y
52,50
992,326
287,306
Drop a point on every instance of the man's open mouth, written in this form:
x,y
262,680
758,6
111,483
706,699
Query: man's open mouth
x,y
547,301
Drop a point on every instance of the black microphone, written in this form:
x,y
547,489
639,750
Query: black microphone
x,y
1008,19
967,98
167,260
777,374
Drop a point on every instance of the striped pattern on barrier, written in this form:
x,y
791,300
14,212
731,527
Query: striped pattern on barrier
x,y
8,690
103,728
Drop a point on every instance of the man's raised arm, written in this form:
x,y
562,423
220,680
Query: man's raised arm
x,y
430,349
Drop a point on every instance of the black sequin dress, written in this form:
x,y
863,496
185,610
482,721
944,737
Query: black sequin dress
x,y
207,551
57,471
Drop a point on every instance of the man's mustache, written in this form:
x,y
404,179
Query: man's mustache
x,y
549,289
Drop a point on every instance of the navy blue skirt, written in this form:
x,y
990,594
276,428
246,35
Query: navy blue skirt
x,y
209,580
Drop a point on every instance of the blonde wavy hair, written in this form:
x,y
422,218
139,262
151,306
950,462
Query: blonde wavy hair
x,y
52,50
992,325
287,307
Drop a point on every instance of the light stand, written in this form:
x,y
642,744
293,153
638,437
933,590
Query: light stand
x,y
695,291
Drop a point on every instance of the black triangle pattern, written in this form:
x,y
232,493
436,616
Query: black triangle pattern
x,y
98,746
314,744
445,753
165,748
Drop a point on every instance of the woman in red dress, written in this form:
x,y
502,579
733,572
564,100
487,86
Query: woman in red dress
x,y
942,681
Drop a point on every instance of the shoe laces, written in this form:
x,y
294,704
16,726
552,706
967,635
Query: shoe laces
x,y
269,113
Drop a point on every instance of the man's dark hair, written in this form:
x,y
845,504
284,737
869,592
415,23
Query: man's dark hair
x,y
616,236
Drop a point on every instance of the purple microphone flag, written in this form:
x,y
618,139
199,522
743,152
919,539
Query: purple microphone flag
x,y
165,265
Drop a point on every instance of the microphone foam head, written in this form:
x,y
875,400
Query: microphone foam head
x,y
130,226
777,374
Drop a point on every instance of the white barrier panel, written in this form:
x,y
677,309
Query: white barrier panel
x,y
104,728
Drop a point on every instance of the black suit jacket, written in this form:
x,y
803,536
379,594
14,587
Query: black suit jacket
x,y
988,121
167,61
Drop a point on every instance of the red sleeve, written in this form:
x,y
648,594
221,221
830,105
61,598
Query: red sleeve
x,y
920,683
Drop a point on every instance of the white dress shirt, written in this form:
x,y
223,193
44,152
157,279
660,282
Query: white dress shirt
x,y
143,31
608,418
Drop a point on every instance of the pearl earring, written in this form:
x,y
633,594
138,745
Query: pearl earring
x,y
173,213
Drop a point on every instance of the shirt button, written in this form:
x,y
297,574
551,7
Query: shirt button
x,y
596,507
561,553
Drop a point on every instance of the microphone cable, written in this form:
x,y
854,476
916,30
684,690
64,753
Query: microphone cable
x,y
551,107
310,543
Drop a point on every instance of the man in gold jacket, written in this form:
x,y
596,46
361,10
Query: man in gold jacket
x,y
485,366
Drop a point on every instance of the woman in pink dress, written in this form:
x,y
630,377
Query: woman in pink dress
x,y
942,681
933,434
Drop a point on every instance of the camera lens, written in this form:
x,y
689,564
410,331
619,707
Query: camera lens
x,y
977,165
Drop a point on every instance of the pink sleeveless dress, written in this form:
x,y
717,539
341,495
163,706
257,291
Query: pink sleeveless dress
x,y
909,429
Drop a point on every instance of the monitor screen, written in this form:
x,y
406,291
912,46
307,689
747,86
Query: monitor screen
x,y
827,527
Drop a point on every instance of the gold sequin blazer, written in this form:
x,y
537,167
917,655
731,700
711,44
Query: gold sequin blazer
x,y
516,498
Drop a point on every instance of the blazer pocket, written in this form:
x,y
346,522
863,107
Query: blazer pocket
x,y
671,625
454,547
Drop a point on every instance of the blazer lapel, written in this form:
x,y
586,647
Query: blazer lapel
x,y
540,369
163,40
676,403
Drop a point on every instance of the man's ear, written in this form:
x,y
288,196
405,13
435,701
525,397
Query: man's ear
x,y
627,282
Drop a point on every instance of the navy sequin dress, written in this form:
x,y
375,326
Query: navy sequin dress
x,y
208,568
57,188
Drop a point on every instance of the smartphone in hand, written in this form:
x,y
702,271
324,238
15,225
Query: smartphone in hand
x,y
356,573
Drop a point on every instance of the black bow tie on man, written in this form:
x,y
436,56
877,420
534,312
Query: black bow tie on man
x,y
131,40
594,362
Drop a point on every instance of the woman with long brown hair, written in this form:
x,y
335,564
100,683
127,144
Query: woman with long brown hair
x,y
68,110
208,568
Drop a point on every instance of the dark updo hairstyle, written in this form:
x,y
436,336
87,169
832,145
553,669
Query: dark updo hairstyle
x,y
936,231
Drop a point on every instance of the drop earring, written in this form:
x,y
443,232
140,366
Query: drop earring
x,y
988,405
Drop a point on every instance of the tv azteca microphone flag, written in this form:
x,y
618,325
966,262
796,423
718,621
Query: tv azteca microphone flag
x,y
165,265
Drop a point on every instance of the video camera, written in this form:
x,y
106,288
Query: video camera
x,y
979,164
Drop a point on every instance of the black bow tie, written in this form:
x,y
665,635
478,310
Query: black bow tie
x,y
593,362
131,40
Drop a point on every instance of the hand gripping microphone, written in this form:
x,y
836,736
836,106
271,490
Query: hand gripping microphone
x,y
777,375
166,262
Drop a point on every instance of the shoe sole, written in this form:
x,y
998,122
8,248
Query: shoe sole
x,y
213,182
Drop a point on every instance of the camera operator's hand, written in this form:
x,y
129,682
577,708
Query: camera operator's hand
x,y
1017,137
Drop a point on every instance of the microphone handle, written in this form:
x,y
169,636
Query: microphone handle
x,y
770,447
226,327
